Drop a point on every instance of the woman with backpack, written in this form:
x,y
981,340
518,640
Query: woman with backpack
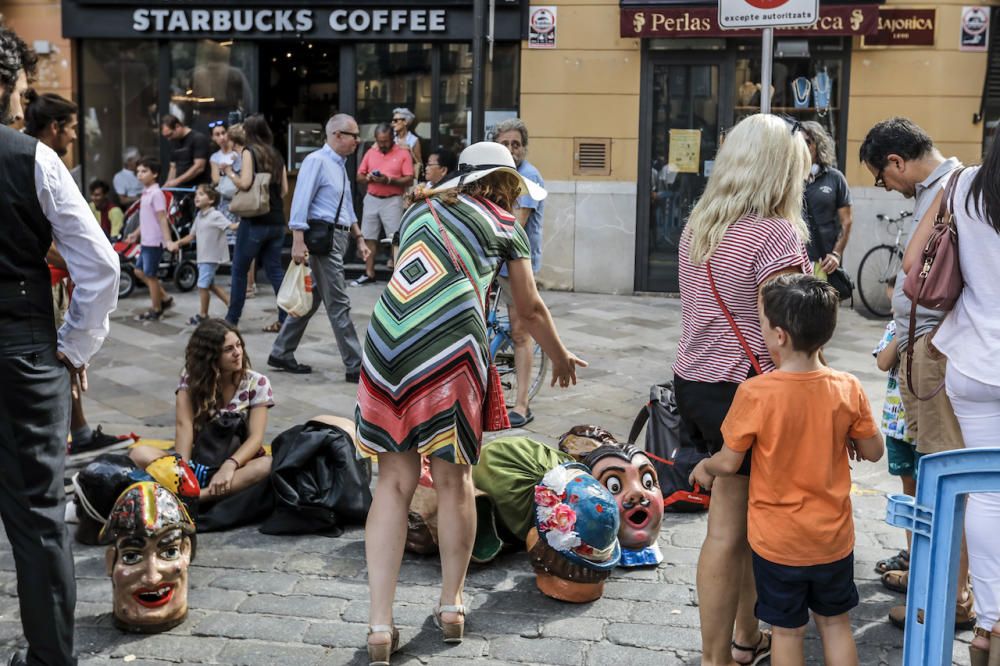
x,y
261,236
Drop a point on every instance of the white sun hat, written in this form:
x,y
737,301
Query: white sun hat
x,y
480,160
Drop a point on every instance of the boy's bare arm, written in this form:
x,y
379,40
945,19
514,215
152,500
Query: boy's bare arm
x,y
724,463
888,357
871,448
164,225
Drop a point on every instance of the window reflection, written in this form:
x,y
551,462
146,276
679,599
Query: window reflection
x,y
502,77
208,79
119,93
391,76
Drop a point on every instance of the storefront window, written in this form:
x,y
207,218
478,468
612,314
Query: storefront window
x,y
209,79
807,83
119,104
390,76
502,92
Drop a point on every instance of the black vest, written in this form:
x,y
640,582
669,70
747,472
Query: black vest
x,y
26,316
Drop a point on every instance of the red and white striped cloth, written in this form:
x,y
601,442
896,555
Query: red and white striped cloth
x,y
752,249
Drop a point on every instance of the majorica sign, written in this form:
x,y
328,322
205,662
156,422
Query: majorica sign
x,y
287,20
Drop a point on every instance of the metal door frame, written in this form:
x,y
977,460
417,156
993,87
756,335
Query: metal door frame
x,y
726,62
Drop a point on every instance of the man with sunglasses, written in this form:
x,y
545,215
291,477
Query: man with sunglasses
x,y
322,221
902,158
513,135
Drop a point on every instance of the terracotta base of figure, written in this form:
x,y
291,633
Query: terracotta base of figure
x,y
122,625
559,578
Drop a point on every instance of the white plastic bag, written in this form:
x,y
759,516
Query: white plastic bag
x,y
295,295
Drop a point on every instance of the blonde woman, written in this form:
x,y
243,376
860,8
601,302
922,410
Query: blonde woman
x,y
746,229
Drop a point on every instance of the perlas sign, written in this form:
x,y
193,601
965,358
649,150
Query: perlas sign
x,y
287,20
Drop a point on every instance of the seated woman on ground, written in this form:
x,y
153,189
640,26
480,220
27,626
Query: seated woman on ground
x,y
221,414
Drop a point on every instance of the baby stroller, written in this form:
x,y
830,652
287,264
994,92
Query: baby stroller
x,y
180,266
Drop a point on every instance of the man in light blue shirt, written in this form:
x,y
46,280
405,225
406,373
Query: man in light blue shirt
x,y
513,135
321,220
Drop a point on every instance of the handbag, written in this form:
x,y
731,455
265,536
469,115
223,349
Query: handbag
x,y
319,236
754,361
495,415
842,282
255,201
936,282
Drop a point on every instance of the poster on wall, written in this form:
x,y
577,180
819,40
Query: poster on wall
x,y
493,118
542,28
975,29
685,150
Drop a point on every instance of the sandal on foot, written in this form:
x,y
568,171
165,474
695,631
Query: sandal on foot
x,y
897,581
898,562
452,631
150,315
379,653
167,304
758,652
273,327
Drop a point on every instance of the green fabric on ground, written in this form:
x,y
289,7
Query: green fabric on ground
x,y
508,469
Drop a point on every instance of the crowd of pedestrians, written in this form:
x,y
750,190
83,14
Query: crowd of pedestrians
x,y
756,311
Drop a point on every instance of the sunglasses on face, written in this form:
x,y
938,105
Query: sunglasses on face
x,y
399,120
795,126
354,135
432,164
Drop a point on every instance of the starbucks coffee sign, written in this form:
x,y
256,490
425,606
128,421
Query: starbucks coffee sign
x,y
287,20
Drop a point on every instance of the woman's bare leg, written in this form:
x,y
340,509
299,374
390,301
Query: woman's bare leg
x,y
385,533
142,455
721,567
456,529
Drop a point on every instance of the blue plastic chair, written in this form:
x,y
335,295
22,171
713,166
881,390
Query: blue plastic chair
x,y
935,517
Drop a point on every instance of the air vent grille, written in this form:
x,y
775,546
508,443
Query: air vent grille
x,y
592,157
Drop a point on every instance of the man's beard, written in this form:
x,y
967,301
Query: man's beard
x,y
5,117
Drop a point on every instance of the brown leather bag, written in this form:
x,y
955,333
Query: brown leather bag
x,y
936,282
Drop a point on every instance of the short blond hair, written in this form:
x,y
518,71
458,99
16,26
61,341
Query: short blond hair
x,y
237,135
759,170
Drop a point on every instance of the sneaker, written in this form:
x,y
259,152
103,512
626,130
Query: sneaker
x,y
195,320
363,280
150,315
98,440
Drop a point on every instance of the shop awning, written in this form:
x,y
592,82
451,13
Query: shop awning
x,y
668,19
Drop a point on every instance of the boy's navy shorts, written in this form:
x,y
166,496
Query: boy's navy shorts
x,y
785,594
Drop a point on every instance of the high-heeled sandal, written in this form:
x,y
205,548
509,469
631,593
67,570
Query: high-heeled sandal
x,y
452,631
379,653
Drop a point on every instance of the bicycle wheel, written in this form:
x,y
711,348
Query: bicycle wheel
x,y
876,268
504,360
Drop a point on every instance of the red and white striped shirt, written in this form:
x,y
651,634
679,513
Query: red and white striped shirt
x,y
752,249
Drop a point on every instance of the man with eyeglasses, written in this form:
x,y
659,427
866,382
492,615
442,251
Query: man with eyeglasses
x,y
322,221
902,158
513,135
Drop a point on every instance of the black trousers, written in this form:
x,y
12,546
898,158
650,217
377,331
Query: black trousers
x,y
34,419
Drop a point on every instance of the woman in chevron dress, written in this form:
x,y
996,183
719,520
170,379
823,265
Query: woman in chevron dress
x,y
423,374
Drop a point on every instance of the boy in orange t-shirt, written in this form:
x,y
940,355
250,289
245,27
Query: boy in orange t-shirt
x,y
804,422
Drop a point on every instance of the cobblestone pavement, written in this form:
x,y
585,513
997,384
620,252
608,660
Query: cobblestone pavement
x,y
259,599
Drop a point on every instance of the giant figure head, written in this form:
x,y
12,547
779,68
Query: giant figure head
x,y
574,543
150,534
631,478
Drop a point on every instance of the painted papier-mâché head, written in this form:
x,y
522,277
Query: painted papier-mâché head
x,y
574,543
150,548
630,476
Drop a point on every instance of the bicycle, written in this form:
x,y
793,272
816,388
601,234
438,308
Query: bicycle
x,y
879,264
501,346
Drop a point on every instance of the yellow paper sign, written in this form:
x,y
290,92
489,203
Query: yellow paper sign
x,y
685,149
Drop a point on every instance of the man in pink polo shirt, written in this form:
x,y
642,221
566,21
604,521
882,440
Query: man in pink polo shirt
x,y
387,170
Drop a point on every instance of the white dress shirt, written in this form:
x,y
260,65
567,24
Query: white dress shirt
x,y
90,259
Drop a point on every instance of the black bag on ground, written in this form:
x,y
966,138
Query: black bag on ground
x,y
672,461
318,483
